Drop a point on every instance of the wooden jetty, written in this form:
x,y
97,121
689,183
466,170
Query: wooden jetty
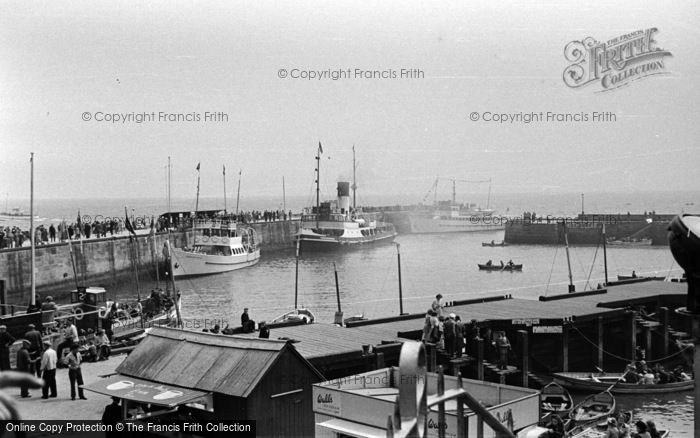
x,y
557,333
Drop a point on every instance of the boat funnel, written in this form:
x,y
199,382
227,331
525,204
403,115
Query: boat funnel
x,y
344,196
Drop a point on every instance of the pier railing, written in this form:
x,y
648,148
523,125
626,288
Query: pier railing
x,y
410,417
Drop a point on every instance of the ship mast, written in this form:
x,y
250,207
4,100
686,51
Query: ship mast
x,y
196,205
319,151
238,196
454,191
488,199
225,212
31,225
568,260
354,180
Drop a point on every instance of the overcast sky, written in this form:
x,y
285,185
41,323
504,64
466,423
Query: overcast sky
x,y
59,60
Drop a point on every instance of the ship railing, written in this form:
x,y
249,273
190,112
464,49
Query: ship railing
x,y
410,417
226,224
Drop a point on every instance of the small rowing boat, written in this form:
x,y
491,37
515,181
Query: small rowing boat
x,y
493,244
592,382
593,408
506,267
555,399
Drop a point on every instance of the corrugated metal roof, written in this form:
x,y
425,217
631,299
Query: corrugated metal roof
x,y
225,364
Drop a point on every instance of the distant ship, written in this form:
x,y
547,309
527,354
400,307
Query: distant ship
x,y
15,213
451,217
334,225
219,246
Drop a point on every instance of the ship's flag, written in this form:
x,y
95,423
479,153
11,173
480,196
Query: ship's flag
x,y
320,148
224,170
127,223
198,166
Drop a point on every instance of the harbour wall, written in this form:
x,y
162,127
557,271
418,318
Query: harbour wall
x,y
105,261
526,232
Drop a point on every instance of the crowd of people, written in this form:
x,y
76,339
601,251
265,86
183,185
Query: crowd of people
x,y
38,357
639,372
12,237
450,334
15,237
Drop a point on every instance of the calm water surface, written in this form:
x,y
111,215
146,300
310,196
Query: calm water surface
x,y
368,281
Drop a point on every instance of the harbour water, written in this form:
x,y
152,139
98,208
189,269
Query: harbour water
x,y
368,282
430,264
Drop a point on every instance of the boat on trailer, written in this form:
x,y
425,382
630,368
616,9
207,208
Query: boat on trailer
x,y
220,245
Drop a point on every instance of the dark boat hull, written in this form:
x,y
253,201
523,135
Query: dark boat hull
x,y
484,267
337,244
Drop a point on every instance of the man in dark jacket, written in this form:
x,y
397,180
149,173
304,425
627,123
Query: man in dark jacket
x,y
6,340
449,333
24,364
35,347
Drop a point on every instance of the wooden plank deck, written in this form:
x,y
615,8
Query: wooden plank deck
x,y
324,340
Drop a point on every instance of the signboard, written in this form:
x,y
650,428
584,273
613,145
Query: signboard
x,y
327,402
527,322
547,329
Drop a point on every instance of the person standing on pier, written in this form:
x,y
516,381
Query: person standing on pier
x,y
48,371
449,333
459,336
437,305
35,347
24,365
503,347
6,340
75,374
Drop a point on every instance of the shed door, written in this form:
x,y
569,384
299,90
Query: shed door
x,y
289,416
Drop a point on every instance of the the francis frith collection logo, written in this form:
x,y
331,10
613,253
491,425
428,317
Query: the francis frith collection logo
x,y
616,62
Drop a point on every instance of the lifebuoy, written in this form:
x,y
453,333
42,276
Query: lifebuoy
x,y
224,239
78,313
214,239
205,239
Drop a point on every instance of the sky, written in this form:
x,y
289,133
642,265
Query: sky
x,y
65,67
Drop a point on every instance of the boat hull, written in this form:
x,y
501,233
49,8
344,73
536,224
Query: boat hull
x,y
500,268
583,382
188,264
330,243
427,224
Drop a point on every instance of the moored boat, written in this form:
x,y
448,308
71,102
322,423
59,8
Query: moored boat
x,y
630,242
220,245
555,399
453,217
297,315
506,267
493,243
592,382
593,408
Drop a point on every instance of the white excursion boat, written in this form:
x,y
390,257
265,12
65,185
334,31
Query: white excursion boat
x,y
219,246
453,217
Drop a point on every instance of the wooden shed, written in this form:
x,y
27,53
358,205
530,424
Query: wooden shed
x,y
247,378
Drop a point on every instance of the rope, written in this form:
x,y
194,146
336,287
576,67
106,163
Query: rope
x,y
591,271
626,359
556,250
